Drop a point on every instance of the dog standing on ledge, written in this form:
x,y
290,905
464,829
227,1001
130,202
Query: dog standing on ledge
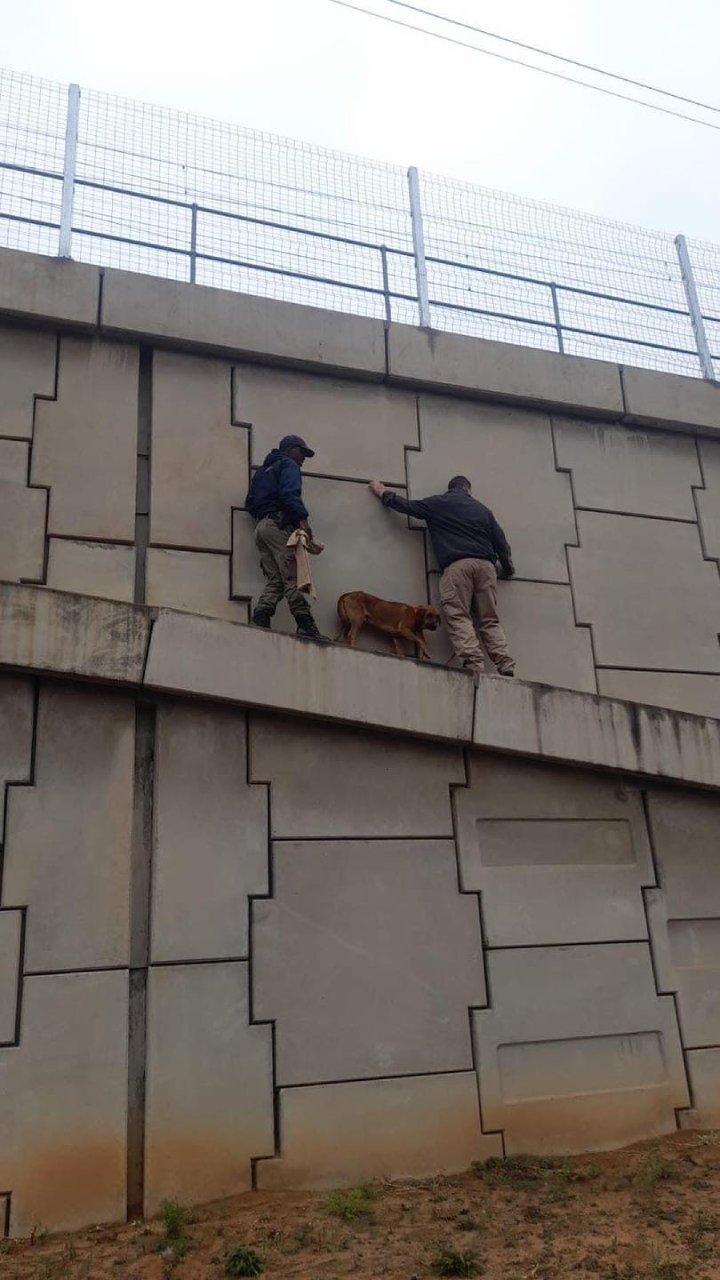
x,y
357,609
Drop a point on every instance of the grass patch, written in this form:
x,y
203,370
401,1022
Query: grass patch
x,y
653,1170
175,1219
348,1206
453,1262
242,1261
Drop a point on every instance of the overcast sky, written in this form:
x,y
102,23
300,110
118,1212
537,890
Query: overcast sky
x,y
313,71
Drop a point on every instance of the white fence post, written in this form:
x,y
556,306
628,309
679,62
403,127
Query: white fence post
x,y
698,324
419,248
68,187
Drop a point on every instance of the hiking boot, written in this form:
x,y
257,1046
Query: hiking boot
x,y
506,671
261,618
307,628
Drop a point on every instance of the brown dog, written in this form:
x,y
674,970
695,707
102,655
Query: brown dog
x,y
357,609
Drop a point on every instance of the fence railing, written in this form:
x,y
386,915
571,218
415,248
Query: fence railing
x,y
121,183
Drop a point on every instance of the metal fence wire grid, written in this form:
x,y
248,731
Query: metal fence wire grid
x,y
119,183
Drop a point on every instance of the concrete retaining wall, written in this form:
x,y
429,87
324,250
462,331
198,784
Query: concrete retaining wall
x,y
275,914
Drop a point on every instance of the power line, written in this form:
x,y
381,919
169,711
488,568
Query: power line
x,y
530,66
559,57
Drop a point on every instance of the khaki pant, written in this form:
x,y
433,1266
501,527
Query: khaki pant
x,y
277,562
469,587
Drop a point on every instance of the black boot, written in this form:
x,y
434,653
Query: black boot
x,y
261,618
307,627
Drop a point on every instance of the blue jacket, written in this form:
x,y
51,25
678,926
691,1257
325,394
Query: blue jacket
x,y
460,528
276,490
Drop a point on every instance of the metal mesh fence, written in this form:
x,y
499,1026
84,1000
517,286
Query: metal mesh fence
x,y
189,198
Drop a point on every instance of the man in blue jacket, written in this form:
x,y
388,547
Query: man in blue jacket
x,y
275,502
468,542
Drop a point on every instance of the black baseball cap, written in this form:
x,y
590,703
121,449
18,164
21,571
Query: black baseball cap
x,y
296,442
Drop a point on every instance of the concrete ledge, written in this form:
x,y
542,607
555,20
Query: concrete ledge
x,y
503,371
69,635
224,323
51,289
669,400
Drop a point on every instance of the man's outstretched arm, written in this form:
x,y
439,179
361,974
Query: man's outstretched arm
x,y
396,502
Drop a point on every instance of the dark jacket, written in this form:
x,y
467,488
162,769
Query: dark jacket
x,y
460,528
276,490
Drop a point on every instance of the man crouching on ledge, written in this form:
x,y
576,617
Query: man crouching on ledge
x,y
467,541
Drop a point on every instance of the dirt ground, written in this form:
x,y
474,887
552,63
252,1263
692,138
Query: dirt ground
x,y
650,1212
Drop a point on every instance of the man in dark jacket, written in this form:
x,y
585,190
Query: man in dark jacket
x,y
275,502
467,541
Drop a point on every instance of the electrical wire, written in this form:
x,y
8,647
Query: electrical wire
x,y
530,66
559,57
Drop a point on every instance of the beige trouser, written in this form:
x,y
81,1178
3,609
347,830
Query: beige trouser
x,y
469,587
277,562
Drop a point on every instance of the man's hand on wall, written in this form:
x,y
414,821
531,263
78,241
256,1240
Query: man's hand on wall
x,y
377,487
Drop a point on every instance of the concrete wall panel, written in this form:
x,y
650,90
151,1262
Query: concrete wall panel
x,y
377,786
63,1103
708,499
578,1052
211,840
209,1085
617,469
341,1134
559,856
40,288
508,456
22,516
27,369
196,581
86,440
669,399
67,854
699,695
703,1067
624,560
92,568
368,958
356,430
367,548
16,730
199,459
10,939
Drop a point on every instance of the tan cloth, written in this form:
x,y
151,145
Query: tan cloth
x,y
467,588
277,562
303,549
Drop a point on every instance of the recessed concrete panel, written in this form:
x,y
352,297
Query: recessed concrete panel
x,y
223,321
413,1127
67,849
616,468
209,1085
670,399
86,441
681,691
503,369
196,581
703,1067
368,958
211,839
63,1103
508,456
199,459
40,288
379,786
92,568
539,623
578,1052
10,940
638,582
559,855
27,369
356,429
16,729
367,548
708,498
74,635
22,516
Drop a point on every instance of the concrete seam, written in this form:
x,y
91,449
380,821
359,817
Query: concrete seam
x,y
703,489
636,515
30,782
581,626
393,1075
143,470
101,286
7,1197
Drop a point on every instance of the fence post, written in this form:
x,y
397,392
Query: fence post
x,y
69,166
698,324
558,322
419,248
